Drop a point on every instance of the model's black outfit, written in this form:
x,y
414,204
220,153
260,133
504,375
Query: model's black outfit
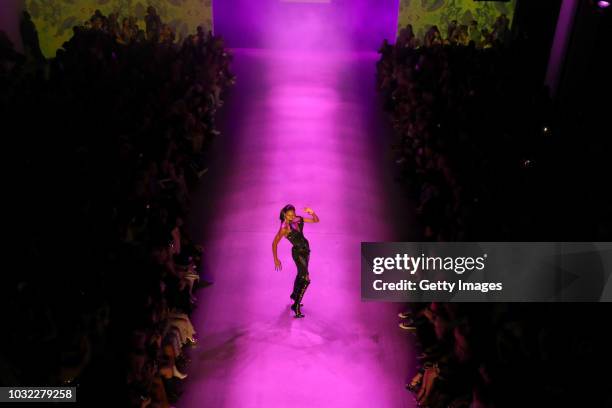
x,y
301,255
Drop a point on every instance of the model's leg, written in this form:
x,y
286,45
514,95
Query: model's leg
x,y
304,281
305,276
296,286
296,282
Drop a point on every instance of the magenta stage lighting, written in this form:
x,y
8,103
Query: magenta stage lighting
x,y
602,4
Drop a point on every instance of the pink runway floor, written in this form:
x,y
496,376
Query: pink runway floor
x,y
305,129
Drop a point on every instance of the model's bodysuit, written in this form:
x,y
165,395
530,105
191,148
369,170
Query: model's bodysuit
x,y
301,255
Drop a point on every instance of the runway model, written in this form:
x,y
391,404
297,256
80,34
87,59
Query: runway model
x,y
292,227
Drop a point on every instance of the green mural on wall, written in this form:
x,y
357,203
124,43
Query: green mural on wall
x,y
422,14
54,19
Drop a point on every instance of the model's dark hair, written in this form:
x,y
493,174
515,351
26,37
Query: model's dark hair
x,y
286,208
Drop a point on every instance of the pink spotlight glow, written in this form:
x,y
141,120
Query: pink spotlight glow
x,y
302,128
306,24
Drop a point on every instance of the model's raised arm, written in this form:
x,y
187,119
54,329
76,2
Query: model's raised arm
x,y
315,217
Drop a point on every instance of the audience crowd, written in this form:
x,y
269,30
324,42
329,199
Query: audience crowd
x,y
109,139
498,355
472,130
458,34
460,149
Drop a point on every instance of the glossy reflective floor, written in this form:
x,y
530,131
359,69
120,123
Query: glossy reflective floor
x,y
306,129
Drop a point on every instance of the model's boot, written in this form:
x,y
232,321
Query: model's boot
x,y
297,309
296,287
298,301
297,304
292,297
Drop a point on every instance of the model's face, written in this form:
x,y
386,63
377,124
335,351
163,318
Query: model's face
x,y
290,215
